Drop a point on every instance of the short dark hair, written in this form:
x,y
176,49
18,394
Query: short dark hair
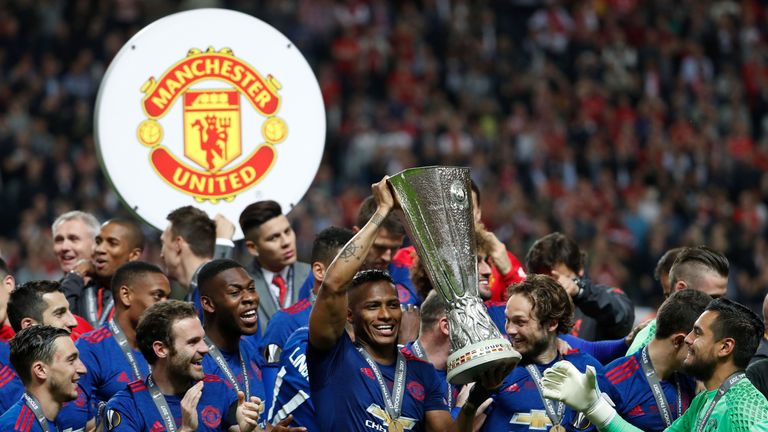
x,y
665,263
679,312
432,309
740,323
553,249
34,343
127,273
26,301
692,262
328,242
256,214
364,277
156,324
549,300
210,270
390,223
136,239
196,228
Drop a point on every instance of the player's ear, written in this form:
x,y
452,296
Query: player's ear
x,y
251,247
124,295
726,347
27,322
678,340
207,304
318,271
160,349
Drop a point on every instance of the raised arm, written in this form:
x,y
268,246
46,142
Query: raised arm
x,y
329,314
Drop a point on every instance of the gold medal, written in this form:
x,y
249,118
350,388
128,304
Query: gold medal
x,y
395,426
557,428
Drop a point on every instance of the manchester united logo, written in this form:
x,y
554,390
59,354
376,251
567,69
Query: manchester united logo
x,y
212,131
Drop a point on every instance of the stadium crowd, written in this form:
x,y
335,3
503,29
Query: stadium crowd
x,y
630,126
608,141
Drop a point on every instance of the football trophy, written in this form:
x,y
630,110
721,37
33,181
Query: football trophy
x,y
437,211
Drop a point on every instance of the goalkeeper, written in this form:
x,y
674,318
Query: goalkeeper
x,y
719,348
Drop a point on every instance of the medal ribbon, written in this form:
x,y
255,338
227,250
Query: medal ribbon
x,y
161,404
555,416
724,387
658,393
37,411
117,332
219,359
394,402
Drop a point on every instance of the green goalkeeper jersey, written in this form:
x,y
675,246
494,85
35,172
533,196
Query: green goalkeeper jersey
x,y
643,338
742,409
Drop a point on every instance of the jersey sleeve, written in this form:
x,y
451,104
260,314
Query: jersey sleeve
x,y
436,390
643,338
604,351
121,415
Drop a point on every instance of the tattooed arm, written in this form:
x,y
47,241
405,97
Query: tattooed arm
x,y
329,314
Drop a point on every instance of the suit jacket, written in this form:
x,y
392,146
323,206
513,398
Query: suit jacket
x,y
267,303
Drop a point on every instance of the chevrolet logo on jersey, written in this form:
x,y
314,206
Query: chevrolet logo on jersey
x,y
392,425
535,420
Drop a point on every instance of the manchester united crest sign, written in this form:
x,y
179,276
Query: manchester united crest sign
x,y
209,107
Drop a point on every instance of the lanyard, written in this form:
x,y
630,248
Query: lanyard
x,y
117,332
393,402
161,404
724,387
658,393
219,359
37,411
92,306
555,416
418,351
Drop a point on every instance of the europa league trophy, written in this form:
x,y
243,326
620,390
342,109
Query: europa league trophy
x,y
437,209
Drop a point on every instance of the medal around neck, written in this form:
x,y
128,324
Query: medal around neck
x,y
437,209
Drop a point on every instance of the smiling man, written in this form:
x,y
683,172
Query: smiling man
x,y
537,312
230,304
49,366
720,345
89,293
74,239
349,380
178,395
270,239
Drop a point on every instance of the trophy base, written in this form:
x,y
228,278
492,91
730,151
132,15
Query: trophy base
x,y
467,364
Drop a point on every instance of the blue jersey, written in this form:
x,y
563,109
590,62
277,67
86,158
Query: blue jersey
x,y
284,322
517,405
11,387
252,364
450,391
637,404
132,408
347,396
20,418
291,391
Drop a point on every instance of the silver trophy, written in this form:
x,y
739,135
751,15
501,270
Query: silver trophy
x,y
437,209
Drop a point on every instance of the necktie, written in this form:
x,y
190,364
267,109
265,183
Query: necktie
x,y
279,282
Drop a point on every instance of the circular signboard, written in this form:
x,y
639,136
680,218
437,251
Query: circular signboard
x,y
211,108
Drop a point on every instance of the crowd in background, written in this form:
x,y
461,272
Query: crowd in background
x,y
631,126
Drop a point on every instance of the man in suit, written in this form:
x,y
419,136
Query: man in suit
x,y
270,239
